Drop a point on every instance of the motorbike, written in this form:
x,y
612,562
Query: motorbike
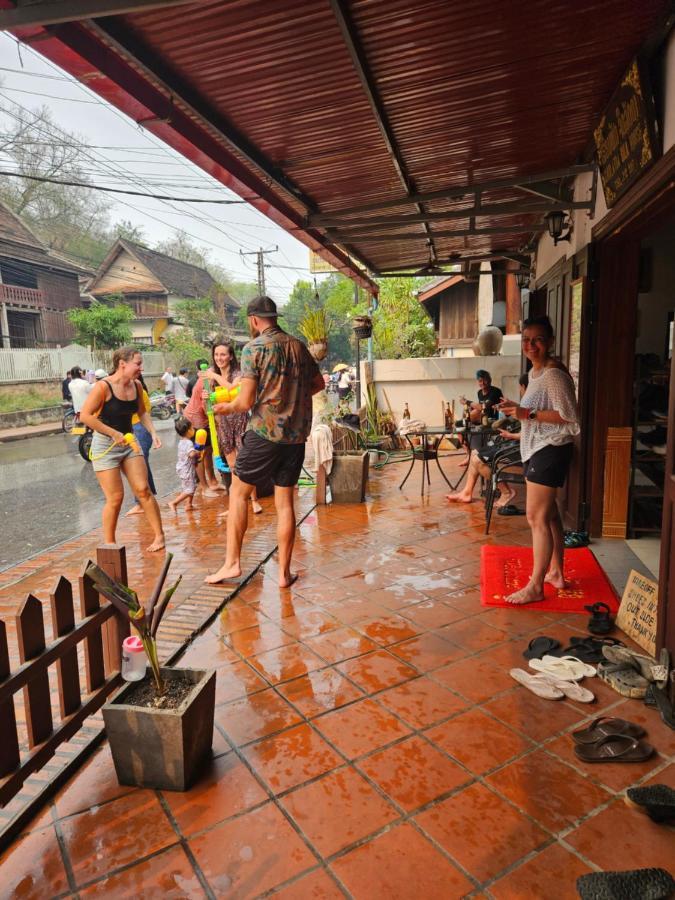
x,y
162,406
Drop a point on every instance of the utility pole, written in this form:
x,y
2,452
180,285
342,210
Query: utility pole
x,y
260,265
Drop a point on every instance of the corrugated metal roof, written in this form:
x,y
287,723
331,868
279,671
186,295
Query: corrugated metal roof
x,y
471,92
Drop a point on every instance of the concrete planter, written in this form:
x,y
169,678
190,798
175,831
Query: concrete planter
x,y
163,748
349,476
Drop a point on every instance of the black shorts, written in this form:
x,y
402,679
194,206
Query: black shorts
x,y
549,465
260,460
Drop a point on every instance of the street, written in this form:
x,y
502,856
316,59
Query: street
x,y
48,494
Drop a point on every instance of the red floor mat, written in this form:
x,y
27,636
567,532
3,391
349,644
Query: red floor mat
x,y
504,570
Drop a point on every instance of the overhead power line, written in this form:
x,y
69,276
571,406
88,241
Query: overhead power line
x,y
109,190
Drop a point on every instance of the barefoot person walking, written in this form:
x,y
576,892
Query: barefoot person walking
x,y
278,380
548,412
108,411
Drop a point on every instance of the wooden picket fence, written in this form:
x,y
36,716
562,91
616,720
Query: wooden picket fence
x,y
100,629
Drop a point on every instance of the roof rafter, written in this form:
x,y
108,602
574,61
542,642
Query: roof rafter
x,y
50,12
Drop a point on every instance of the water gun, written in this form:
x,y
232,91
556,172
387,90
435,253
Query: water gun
x,y
224,395
200,439
130,441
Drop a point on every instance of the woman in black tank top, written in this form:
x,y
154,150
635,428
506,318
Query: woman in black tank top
x,y
108,411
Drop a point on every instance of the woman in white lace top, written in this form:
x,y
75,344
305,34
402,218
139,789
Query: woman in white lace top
x,y
550,422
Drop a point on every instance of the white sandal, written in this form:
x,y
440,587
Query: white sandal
x,y
571,689
538,684
566,668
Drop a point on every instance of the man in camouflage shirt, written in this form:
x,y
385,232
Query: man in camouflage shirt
x,y
278,380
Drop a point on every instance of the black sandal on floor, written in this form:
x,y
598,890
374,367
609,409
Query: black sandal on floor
x,y
540,646
601,621
656,800
645,884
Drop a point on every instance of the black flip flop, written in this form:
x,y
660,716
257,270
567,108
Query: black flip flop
x,y
589,649
510,510
540,646
619,748
604,726
645,884
601,621
657,800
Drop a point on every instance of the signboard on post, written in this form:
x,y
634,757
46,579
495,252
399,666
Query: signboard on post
x,y
625,138
319,266
637,613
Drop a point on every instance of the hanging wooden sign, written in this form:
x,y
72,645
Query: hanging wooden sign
x,y
625,138
637,613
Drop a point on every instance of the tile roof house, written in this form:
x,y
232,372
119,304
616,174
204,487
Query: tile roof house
x,y
37,288
152,283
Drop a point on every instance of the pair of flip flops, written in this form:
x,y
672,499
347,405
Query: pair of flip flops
x,y
601,621
548,687
586,649
608,739
635,884
565,668
510,510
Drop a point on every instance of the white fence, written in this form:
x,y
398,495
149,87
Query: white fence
x,y
49,365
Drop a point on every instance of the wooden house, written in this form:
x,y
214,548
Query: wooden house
x,y
37,288
153,283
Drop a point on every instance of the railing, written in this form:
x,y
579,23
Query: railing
x,y
52,365
21,296
100,630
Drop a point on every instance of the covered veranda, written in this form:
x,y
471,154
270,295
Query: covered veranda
x,y
370,741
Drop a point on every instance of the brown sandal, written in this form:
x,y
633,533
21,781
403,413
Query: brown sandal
x,y
614,748
605,726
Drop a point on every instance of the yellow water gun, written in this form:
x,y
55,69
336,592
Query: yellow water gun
x,y
224,395
129,439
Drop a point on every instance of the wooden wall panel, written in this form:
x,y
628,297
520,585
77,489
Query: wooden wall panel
x,y
617,480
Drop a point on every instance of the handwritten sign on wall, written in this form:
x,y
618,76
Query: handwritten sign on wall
x,y
637,613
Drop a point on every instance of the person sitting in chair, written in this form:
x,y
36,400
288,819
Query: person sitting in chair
x,y
488,396
480,462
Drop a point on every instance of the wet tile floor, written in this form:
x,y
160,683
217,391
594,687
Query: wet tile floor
x,y
369,742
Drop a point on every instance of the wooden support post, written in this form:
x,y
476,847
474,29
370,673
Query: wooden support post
x,y
617,481
112,558
514,311
321,483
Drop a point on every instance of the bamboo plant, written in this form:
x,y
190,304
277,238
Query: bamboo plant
x,y
146,622
315,326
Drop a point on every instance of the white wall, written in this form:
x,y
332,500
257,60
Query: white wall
x,y
425,384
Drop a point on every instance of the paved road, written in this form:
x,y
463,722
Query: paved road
x,y
48,494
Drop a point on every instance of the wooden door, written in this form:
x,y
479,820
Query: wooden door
x,y
666,616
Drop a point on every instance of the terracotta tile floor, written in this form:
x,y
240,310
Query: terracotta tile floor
x,y
369,741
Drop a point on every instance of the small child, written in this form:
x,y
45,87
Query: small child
x,y
186,464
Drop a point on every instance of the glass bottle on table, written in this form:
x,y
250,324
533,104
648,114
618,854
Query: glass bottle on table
x,y
484,418
406,411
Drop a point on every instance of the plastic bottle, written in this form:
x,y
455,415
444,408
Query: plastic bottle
x,y
133,659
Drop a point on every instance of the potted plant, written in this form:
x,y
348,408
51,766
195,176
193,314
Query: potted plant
x,y
160,728
363,327
315,328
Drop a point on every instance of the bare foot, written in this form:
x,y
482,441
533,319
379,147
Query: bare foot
x,y
209,492
157,544
505,500
217,486
528,594
257,508
134,511
557,580
189,506
459,498
173,505
288,580
224,573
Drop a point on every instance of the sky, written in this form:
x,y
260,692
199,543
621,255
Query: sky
x,y
121,154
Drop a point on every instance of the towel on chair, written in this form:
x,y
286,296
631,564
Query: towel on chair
x,y
322,445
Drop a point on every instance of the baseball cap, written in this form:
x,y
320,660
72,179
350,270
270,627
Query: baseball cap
x,y
100,373
263,306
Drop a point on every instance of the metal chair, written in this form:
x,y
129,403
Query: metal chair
x,y
502,469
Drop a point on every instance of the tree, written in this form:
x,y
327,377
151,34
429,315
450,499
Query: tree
x,y
183,248
183,349
199,317
335,294
103,326
73,220
401,328
126,229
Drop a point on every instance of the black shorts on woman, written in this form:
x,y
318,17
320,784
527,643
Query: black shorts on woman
x,y
550,465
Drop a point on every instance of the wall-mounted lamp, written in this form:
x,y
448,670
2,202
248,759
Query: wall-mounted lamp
x,y
555,222
522,279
